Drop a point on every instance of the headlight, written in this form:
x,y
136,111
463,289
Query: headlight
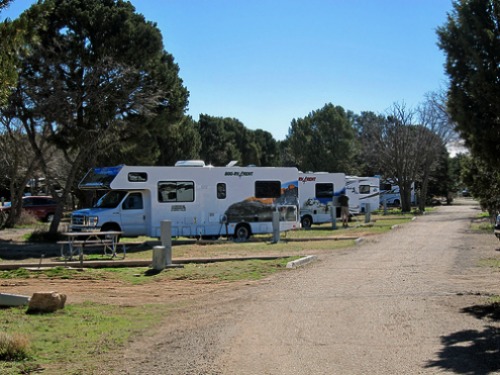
x,y
93,220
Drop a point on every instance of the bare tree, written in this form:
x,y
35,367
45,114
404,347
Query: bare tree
x,y
18,163
437,131
398,151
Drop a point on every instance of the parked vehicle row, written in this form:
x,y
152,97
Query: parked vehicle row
x,y
206,201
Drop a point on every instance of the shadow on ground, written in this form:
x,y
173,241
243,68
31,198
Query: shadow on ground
x,y
472,351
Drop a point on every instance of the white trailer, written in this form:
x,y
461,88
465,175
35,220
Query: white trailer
x,y
199,200
352,191
317,193
368,191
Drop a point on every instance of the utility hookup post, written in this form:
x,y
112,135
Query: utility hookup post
x,y
367,213
166,240
333,215
276,227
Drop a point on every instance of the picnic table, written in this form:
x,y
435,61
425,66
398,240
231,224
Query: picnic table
x,y
77,241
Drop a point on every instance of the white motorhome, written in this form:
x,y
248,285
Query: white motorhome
x,y
199,200
368,191
390,194
317,193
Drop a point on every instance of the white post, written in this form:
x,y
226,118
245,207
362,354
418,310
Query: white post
x,y
166,240
333,215
367,213
276,227
159,258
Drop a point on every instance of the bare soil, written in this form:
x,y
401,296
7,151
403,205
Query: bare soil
x,y
412,301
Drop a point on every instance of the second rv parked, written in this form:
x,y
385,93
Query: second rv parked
x,y
318,192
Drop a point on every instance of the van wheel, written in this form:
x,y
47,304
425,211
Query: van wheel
x,y
242,232
306,222
396,202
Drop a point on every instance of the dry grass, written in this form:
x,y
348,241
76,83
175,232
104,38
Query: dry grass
x,y
14,347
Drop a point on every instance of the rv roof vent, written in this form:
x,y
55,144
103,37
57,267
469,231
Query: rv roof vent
x,y
232,163
190,163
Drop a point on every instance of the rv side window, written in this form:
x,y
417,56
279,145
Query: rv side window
x,y
364,189
137,176
221,190
324,191
385,187
133,202
267,189
176,191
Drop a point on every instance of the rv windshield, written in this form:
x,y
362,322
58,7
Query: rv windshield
x,y
110,199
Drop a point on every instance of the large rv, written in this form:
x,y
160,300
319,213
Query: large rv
x,y
317,193
199,200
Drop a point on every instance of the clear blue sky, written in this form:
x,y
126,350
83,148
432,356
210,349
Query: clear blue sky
x,y
266,62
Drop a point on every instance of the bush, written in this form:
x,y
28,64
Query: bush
x,y
13,347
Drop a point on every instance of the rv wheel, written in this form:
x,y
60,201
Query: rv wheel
x,y
306,222
242,232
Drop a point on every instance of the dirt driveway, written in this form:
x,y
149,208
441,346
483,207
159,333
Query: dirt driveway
x,y
412,301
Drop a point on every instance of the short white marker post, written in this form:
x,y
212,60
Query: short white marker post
x,y
333,215
166,240
276,227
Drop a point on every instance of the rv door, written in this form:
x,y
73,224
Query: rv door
x,y
133,215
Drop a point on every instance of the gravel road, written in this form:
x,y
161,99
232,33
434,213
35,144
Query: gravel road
x,y
412,301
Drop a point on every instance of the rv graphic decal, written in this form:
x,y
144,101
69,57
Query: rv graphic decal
x,y
255,209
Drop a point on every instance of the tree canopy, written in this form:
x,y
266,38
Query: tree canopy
x,y
324,140
471,40
93,71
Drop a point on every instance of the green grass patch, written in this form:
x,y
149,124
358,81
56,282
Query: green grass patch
x,y
71,340
212,272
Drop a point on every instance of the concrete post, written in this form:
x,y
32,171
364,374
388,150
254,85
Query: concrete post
x,y
367,213
159,258
333,215
276,227
166,240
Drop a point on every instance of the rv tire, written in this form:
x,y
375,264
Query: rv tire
x,y
242,232
306,222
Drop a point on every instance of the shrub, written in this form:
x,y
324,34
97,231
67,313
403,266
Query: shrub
x,y
13,347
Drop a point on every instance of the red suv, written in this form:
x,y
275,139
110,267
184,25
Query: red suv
x,y
42,207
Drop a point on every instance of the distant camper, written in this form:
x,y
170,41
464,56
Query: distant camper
x,y
318,192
